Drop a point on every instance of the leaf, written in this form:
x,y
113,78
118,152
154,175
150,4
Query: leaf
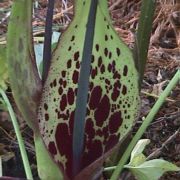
x,y
3,68
47,169
23,74
137,157
113,94
137,160
153,169
139,148
143,169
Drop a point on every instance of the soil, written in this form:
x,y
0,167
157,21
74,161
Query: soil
x,y
163,62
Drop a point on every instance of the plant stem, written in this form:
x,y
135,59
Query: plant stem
x,y
145,124
19,137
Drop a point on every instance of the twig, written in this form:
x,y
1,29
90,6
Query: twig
x,y
156,96
7,134
158,151
58,15
172,116
115,4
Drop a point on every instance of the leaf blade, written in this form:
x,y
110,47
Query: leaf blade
x,y
152,169
107,119
23,74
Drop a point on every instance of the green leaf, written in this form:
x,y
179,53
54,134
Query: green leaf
x,y
113,102
139,148
152,170
147,170
137,160
24,79
47,168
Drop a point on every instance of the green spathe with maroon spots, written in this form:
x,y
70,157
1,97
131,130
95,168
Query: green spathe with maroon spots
x,y
113,95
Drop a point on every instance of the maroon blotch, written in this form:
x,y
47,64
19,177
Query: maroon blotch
x,y
106,52
112,141
118,51
63,73
54,83
70,96
106,37
69,49
46,117
115,122
64,146
89,129
76,55
97,47
63,102
110,55
75,77
99,61
95,151
73,37
45,106
95,97
125,70
77,65
93,58
124,90
60,90
94,73
60,81
102,68
102,112
69,63
64,84
71,122
109,67
52,148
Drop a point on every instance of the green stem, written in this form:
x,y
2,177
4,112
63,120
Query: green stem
x,y
145,124
19,137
